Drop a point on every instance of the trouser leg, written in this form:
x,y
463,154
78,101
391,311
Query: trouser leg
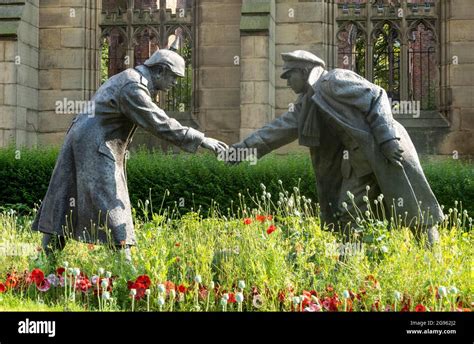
x,y
126,250
357,186
52,243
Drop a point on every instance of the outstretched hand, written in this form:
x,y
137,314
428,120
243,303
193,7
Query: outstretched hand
x,y
393,152
214,145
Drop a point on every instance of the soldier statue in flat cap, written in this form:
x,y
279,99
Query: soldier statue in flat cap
x,y
87,198
355,144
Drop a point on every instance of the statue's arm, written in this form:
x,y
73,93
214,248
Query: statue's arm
x,y
273,135
136,104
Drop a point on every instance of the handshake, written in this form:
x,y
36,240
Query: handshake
x,y
232,155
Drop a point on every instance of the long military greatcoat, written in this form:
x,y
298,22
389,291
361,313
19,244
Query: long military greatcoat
x,y
359,114
87,197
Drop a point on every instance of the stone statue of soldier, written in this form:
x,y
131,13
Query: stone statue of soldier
x,y
87,198
355,144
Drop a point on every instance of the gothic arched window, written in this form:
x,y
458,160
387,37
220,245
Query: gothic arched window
x,y
132,30
394,44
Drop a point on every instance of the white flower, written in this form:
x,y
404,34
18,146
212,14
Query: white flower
x,y
211,285
366,199
263,186
106,295
77,272
104,284
367,187
198,279
66,264
344,205
280,182
296,300
367,213
239,297
346,294
108,274
161,288
225,297
101,271
161,301
223,301
350,195
133,292
242,284
384,249
397,295
442,291
453,290
147,292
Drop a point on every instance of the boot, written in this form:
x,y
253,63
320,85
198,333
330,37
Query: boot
x,y
52,243
433,236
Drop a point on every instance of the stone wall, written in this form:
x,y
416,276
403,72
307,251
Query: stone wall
x,y
19,73
68,62
218,59
458,66
238,47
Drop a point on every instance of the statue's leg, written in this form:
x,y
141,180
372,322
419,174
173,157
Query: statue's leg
x,y
356,207
52,243
126,250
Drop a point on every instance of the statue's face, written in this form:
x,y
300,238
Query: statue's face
x,y
164,80
297,80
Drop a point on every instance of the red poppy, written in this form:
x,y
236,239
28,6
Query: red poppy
x,y
3,288
261,218
182,289
231,298
177,244
405,308
145,280
329,288
269,217
247,221
271,229
420,308
12,281
169,286
60,271
37,276
83,284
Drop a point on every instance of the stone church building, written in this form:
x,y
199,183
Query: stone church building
x,y
54,54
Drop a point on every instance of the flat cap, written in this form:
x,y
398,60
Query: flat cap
x,y
169,58
299,59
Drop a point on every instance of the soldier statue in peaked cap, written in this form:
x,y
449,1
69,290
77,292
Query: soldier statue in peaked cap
x,y
87,198
357,148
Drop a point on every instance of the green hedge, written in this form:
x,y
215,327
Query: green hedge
x,y
197,179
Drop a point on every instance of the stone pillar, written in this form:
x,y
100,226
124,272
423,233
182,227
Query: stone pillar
x,y
218,63
19,73
457,68
68,62
257,77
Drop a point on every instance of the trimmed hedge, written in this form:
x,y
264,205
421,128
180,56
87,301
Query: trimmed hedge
x,y
198,179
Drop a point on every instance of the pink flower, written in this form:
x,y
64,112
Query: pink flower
x,y
313,307
43,286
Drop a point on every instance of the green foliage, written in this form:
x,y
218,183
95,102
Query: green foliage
x,y
194,181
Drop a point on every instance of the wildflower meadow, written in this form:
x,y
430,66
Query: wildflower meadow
x,y
265,253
